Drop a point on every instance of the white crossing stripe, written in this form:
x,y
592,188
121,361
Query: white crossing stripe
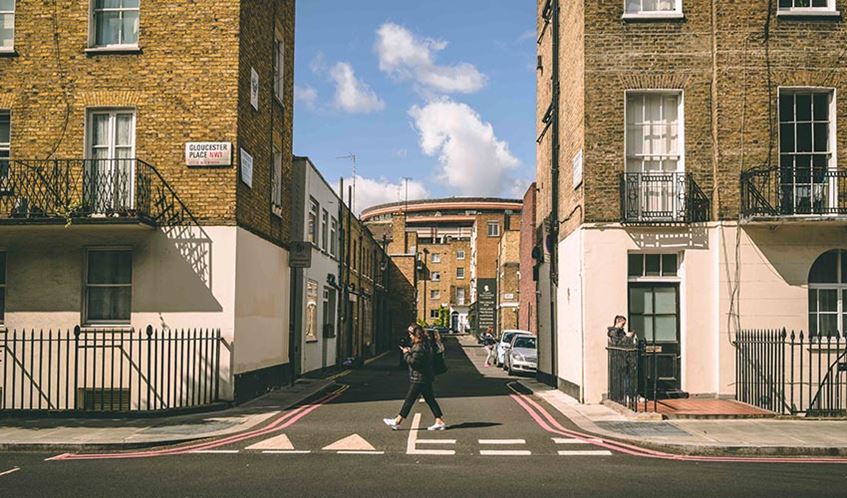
x,y
280,442
286,452
212,452
502,441
10,471
585,453
411,442
437,441
361,452
354,442
505,452
559,440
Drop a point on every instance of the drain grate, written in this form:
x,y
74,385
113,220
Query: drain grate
x,y
643,428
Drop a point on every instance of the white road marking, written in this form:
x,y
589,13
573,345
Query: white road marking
x,y
411,442
585,453
559,440
354,442
502,441
15,469
361,452
437,441
286,452
505,452
212,452
280,442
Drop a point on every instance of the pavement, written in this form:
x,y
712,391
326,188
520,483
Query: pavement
x,y
502,439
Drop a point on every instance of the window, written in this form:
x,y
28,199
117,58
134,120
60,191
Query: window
x,y
436,258
5,141
806,133
314,208
653,265
115,23
460,254
333,237
828,294
434,313
2,287
7,25
276,180
460,273
108,286
653,132
329,312
493,228
279,69
811,7
111,149
653,8
436,276
460,296
324,229
435,294
311,311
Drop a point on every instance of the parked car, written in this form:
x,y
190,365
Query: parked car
x,y
522,355
504,344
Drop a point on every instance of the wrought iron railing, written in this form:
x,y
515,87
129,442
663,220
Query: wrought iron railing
x,y
56,189
633,375
109,370
791,373
656,198
777,192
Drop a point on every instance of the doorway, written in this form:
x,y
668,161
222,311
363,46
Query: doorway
x,y
654,316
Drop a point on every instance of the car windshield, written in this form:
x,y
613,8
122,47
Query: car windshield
x,y
525,342
507,337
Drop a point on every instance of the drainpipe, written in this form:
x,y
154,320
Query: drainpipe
x,y
342,285
554,202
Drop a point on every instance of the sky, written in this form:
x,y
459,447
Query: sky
x,y
441,92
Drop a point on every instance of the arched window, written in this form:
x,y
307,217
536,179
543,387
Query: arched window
x,y
828,294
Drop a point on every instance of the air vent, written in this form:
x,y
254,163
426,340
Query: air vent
x,y
100,400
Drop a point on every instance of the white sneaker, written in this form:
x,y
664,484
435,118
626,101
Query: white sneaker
x,y
437,427
391,423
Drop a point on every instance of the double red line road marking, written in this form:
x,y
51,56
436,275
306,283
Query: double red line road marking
x,y
281,423
547,422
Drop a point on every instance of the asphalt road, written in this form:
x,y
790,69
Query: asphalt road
x,y
500,443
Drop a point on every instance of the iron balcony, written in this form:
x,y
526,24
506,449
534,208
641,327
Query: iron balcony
x,y
793,193
662,198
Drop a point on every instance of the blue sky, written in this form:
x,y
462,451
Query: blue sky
x,y
439,91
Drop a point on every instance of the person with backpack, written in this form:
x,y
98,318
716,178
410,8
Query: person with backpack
x,y
420,358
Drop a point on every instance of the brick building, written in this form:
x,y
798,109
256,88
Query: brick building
x,y
145,173
528,315
448,248
711,198
508,279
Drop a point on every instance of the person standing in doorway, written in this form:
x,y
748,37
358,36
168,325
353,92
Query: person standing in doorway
x,y
419,357
618,334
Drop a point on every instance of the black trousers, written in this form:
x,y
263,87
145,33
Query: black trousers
x,y
415,391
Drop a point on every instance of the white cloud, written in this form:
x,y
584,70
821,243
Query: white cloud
x,y
305,95
352,94
371,192
405,56
401,153
472,160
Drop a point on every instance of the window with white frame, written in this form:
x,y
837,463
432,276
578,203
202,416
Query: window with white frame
x,y
311,311
435,276
436,257
114,23
108,286
7,25
800,7
493,228
650,8
333,237
314,209
460,254
460,296
2,287
279,68
435,313
806,134
5,141
460,273
324,229
435,294
653,132
653,265
110,166
276,179
828,294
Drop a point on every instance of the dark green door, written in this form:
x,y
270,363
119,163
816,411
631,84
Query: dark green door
x,y
654,316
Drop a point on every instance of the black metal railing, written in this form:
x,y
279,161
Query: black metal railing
x,y
662,198
776,192
67,189
632,374
791,373
109,370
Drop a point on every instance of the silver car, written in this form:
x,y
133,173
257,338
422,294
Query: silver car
x,y
522,356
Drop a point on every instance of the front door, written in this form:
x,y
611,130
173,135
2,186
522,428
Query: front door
x,y
654,316
110,169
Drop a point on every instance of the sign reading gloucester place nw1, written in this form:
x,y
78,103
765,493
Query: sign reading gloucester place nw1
x,y
208,154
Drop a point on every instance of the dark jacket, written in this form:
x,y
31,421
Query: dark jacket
x,y
617,337
419,360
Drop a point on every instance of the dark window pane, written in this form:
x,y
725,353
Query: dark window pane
x,y
2,267
786,137
636,265
2,303
109,303
669,265
821,101
828,325
813,300
804,107
821,143
109,267
844,270
804,137
819,3
5,120
652,265
827,300
813,324
786,105
825,269
803,169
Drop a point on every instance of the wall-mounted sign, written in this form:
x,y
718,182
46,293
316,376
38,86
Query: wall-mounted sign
x,y
577,170
486,290
254,89
300,255
208,154
508,296
246,168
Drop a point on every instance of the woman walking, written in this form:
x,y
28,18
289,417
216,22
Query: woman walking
x,y
419,357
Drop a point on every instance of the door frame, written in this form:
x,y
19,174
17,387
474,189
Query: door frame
x,y
677,383
88,145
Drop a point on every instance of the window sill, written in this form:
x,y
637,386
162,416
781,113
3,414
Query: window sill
x,y
311,340
114,50
8,53
808,13
654,16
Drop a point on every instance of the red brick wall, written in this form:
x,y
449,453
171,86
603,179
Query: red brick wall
x,y
527,319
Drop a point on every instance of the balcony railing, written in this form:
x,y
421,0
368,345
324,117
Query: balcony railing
x,y
658,198
74,189
783,192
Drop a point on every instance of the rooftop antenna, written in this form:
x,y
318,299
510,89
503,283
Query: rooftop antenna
x,y
352,157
